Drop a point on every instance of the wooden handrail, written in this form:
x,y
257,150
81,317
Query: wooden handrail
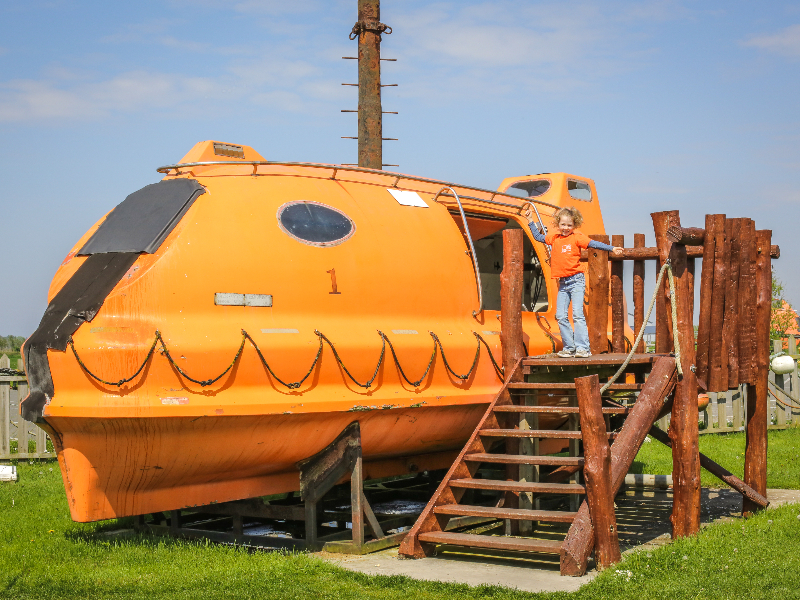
x,y
652,253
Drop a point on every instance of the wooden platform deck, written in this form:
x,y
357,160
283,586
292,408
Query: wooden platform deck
x,y
553,360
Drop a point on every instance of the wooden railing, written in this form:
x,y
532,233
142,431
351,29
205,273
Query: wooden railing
x,y
32,441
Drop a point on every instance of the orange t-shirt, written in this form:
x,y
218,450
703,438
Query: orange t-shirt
x,y
565,255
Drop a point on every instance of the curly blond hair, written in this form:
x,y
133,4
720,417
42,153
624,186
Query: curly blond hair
x,y
571,212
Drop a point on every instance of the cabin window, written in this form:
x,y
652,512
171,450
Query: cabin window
x,y
579,190
529,189
314,223
487,237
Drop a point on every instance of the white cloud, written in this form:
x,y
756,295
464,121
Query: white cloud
x,y
56,98
263,7
60,94
160,32
492,34
448,50
785,42
501,47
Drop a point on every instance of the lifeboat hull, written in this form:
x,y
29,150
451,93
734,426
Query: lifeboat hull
x,y
236,342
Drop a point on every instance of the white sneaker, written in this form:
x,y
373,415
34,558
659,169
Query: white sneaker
x,y
565,354
583,354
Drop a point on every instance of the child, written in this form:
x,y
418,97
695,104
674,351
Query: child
x,y
565,266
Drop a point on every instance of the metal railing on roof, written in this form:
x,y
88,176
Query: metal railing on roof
x,y
396,176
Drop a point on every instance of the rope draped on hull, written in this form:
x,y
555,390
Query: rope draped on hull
x,y
437,347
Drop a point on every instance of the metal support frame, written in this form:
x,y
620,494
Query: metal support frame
x,y
318,475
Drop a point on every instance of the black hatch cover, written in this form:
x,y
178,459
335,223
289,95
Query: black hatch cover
x,y
145,218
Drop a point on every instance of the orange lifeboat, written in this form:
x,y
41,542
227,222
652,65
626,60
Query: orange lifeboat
x,y
221,325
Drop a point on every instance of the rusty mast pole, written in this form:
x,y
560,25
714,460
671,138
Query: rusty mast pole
x,y
368,29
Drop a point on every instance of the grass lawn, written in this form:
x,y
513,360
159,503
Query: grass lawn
x,y
727,449
45,555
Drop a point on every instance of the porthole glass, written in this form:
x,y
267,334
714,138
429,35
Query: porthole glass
x,y
579,190
314,223
529,189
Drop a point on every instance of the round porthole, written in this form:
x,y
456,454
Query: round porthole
x,y
315,224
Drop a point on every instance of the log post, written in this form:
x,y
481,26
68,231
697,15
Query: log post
x,y
683,430
511,285
597,471
688,236
690,265
511,300
747,301
638,291
579,542
731,324
716,370
617,300
597,319
755,454
370,115
661,222
727,332
706,293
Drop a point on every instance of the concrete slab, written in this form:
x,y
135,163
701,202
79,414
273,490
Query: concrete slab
x,y
643,523
778,497
470,569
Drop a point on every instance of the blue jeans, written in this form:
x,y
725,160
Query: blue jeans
x,y
572,289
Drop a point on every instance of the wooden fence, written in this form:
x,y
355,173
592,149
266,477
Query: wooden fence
x,y
32,441
726,411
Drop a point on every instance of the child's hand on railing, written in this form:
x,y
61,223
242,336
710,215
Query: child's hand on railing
x,y
528,212
617,251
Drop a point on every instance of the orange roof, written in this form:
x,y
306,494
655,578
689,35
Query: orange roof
x,y
794,330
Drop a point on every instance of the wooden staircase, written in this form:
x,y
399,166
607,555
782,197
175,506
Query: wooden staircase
x,y
521,468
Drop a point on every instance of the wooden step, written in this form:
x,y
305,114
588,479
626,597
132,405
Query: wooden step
x,y
513,459
536,433
522,514
569,386
493,542
598,360
519,486
516,408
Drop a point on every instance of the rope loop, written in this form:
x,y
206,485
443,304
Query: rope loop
x,y
341,363
499,371
419,381
548,331
121,382
291,385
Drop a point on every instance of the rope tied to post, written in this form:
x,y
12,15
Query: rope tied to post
x,y
666,267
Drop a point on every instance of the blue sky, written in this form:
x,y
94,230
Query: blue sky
x,y
666,104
